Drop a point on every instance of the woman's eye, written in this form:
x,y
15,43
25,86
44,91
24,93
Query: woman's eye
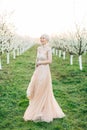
x,y
42,38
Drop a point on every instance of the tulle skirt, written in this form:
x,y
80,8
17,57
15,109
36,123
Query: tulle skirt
x,y
42,105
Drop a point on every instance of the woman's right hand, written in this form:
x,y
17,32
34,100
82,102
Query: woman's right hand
x,y
38,63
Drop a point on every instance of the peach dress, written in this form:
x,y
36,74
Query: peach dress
x,y
42,105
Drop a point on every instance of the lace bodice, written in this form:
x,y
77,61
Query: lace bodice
x,y
44,53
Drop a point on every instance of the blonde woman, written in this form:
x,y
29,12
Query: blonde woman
x,y
42,103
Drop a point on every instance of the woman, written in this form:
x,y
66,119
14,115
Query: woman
x,y
43,105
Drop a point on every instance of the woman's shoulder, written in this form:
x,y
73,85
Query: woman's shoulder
x,y
39,47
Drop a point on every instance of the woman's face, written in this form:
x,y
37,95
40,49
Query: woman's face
x,y
43,40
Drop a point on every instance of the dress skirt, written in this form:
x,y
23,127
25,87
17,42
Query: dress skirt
x,y
42,105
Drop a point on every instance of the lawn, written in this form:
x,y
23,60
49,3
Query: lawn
x,y
69,87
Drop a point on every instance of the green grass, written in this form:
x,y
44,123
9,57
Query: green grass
x,y
69,87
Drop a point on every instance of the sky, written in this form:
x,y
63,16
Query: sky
x,y
35,17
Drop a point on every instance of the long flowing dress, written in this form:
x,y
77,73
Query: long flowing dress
x,y
42,105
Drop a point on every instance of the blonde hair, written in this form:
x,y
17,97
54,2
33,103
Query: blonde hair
x,y
45,36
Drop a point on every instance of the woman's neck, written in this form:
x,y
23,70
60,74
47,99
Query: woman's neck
x,y
44,44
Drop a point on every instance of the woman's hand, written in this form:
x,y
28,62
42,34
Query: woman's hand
x,y
38,63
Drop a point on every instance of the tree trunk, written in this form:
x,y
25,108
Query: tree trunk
x,y
53,50
60,53
18,53
71,59
8,58
56,52
80,62
64,54
14,54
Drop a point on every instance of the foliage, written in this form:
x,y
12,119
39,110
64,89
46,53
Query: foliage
x,y
74,43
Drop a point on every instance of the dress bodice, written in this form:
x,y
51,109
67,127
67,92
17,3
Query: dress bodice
x,y
43,52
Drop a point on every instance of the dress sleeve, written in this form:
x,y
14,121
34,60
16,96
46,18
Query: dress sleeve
x,y
49,55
